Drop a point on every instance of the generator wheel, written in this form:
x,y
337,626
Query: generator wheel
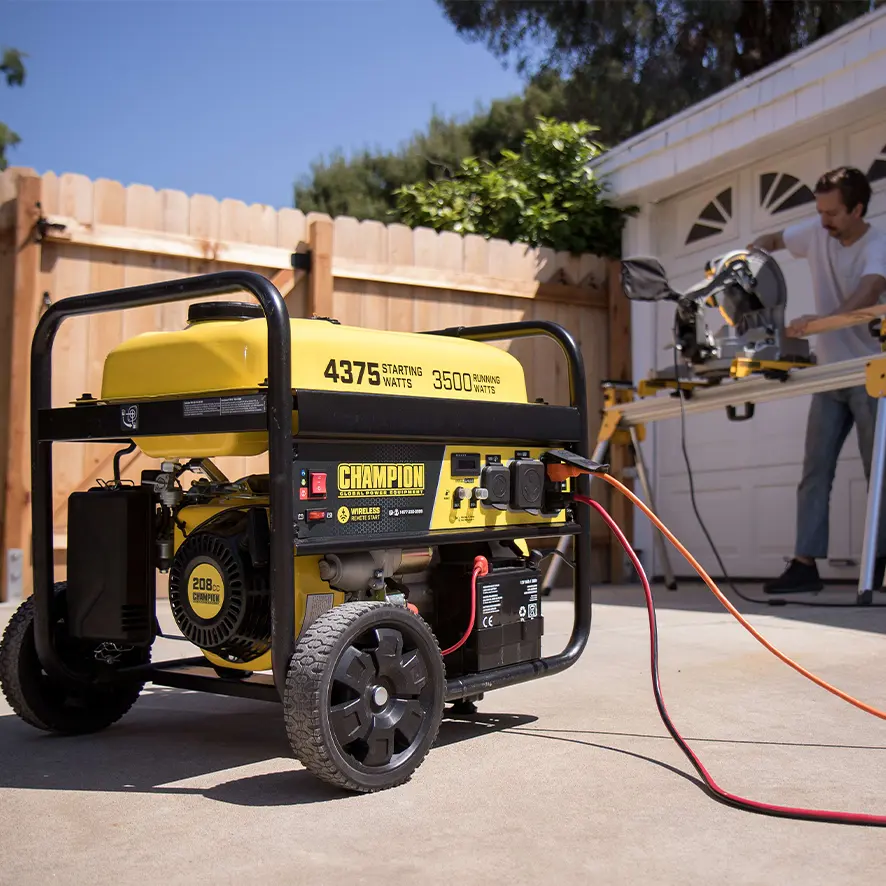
x,y
40,702
364,695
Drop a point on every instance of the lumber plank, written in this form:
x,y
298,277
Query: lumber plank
x,y
842,321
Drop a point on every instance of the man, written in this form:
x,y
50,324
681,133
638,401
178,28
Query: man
x,y
847,258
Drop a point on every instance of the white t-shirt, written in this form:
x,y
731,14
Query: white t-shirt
x,y
836,273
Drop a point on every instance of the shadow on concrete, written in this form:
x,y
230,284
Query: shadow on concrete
x,y
173,736
552,735
695,596
694,739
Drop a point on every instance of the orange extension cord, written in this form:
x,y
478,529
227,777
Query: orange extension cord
x,y
794,812
732,610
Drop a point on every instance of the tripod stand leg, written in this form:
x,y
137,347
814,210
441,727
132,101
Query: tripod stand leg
x,y
875,499
643,477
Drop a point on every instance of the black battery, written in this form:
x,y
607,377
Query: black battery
x,y
508,626
111,581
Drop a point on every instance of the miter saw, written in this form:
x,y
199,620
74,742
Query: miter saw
x,y
749,289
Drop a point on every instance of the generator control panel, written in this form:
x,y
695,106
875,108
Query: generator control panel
x,y
358,489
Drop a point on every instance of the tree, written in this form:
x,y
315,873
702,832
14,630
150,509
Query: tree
x,y
13,69
545,194
364,187
630,64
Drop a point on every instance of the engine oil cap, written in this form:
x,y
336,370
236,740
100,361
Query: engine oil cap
x,y
224,310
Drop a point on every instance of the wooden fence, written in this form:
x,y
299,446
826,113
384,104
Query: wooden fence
x,y
67,235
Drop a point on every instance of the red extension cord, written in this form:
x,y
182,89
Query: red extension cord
x,y
713,787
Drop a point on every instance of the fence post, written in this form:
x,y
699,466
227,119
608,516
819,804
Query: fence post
x,y
16,575
620,369
320,280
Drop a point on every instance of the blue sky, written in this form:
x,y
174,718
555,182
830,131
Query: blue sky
x,y
232,99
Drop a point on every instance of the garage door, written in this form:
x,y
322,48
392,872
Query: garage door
x,y
746,473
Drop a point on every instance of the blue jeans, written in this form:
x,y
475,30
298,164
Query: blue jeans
x,y
831,417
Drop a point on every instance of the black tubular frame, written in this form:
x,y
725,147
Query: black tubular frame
x,y
48,426
279,425
509,675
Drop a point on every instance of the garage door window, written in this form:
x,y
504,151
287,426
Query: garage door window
x,y
713,219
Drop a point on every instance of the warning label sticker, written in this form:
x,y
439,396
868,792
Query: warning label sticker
x,y
247,404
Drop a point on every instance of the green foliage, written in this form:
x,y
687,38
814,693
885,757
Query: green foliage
x,y
544,194
13,69
364,185
625,64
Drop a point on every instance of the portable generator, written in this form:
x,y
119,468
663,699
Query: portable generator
x,y
382,568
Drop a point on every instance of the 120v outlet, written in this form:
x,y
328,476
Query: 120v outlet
x,y
527,483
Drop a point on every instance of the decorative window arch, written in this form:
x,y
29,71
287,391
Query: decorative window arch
x,y
780,191
877,172
713,219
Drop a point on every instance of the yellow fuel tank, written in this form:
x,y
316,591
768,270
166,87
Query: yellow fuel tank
x,y
229,356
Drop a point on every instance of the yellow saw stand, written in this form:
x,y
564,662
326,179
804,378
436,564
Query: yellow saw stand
x,y
627,410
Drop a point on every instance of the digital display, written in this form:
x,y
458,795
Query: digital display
x,y
465,463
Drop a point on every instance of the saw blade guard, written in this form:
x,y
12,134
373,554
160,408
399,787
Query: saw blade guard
x,y
749,289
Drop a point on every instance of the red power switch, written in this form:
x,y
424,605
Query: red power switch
x,y
318,485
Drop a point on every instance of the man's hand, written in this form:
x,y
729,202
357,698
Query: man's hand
x,y
768,242
797,327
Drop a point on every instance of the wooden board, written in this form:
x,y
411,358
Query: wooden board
x,y
26,302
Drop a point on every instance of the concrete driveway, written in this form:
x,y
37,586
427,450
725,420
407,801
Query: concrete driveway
x,y
569,779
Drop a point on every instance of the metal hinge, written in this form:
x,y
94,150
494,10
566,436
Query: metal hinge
x,y
43,226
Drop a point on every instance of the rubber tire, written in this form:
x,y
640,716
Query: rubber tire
x,y
36,700
308,681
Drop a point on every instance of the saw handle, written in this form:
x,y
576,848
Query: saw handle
x,y
733,415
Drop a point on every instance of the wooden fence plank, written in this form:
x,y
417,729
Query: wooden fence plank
x,y
401,300
292,233
175,208
373,297
8,186
26,310
320,284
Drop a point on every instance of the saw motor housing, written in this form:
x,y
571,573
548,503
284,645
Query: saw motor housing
x,y
748,289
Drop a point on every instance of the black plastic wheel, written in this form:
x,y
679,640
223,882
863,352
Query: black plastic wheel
x,y
44,704
364,695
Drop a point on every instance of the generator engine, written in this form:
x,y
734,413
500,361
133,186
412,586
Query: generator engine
x,y
219,588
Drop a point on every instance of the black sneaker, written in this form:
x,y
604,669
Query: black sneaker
x,y
798,578
879,569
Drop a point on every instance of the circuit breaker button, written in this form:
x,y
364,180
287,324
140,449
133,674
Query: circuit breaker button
x,y
318,485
